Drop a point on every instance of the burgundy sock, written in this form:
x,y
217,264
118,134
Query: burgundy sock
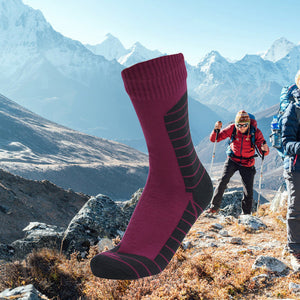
x,y
178,187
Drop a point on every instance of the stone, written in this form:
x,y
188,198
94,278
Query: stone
x,y
216,226
99,218
260,278
105,243
294,287
224,233
128,207
251,223
231,204
27,292
186,245
271,264
236,241
38,236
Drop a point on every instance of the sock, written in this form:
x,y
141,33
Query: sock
x,y
178,187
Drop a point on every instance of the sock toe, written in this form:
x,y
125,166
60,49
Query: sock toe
x,y
104,266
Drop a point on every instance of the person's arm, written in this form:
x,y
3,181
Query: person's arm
x,y
290,128
261,143
223,134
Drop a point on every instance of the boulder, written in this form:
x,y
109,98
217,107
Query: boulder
x,y
38,236
271,264
99,218
251,223
128,207
232,202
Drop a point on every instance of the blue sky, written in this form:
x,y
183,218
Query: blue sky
x,y
194,27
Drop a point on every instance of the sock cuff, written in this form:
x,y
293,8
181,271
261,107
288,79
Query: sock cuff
x,y
156,78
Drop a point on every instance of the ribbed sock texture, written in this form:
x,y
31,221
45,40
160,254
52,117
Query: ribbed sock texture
x,y
178,187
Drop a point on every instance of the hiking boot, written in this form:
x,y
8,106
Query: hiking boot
x,y
212,211
295,261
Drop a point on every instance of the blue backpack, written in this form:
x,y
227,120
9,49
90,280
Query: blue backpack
x,y
287,96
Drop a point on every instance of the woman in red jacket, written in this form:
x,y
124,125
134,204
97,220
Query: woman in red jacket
x,y
240,158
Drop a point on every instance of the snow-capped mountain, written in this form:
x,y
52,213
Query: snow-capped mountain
x,y
252,83
279,49
136,54
36,148
59,78
63,80
112,48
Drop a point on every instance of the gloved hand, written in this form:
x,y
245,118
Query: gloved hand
x,y
218,125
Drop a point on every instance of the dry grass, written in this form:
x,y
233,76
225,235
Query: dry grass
x,y
197,273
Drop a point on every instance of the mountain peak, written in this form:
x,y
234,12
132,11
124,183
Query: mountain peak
x,y
137,46
110,47
109,38
212,57
279,49
20,23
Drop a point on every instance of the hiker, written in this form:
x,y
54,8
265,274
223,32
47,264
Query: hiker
x,y
291,145
241,153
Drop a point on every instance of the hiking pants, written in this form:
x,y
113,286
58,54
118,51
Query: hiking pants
x,y
247,175
292,180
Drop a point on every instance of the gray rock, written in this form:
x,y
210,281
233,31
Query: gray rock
x,y
251,223
105,243
27,292
294,287
129,206
271,264
216,226
206,244
100,217
231,204
186,245
236,241
200,234
260,278
38,236
224,233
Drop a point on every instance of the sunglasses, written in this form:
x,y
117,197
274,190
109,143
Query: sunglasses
x,y
242,125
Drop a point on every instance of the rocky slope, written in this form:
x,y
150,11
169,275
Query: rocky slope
x,y
36,148
23,201
222,257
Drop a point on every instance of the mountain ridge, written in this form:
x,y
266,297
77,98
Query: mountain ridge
x,y
61,79
37,148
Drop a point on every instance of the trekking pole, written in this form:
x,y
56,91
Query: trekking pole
x,y
214,152
260,179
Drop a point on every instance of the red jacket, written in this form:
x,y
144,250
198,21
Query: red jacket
x,y
241,145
